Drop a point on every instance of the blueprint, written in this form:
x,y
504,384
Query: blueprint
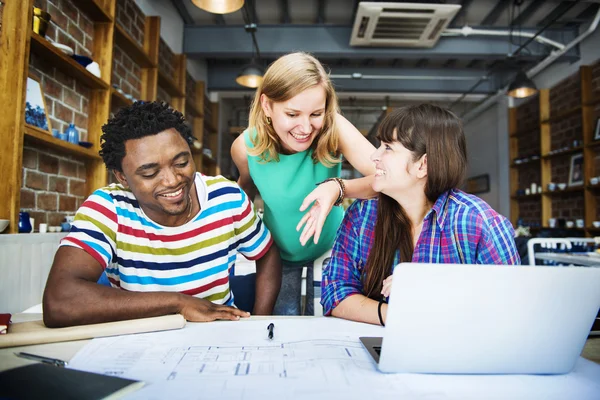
x,y
308,358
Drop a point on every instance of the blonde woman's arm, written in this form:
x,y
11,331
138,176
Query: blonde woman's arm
x,y
357,150
240,158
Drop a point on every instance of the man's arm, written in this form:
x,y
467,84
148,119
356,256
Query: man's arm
x,y
268,281
72,297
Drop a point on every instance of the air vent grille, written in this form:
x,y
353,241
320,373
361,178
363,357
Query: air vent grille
x,y
400,24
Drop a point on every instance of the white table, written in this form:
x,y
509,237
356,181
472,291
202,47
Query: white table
x,y
586,259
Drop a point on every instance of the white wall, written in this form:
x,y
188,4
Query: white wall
x,y
487,133
171,31
487,150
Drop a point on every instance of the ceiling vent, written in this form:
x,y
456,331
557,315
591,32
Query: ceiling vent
x,y
400,24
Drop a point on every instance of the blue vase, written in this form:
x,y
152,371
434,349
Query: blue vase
x,y
24,222
72,134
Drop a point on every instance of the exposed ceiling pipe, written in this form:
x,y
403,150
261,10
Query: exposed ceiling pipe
x,y
468,31
555,55
358,75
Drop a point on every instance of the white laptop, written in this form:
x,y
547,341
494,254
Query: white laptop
x,y
487,319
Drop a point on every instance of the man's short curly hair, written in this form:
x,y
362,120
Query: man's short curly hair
x,y
137,121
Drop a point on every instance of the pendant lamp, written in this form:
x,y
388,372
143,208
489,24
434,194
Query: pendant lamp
x,y
521,87
251,75
219,6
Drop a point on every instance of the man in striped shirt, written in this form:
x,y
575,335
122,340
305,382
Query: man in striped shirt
x,y
166,236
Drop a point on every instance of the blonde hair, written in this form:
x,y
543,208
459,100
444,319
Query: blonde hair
x,y
285,78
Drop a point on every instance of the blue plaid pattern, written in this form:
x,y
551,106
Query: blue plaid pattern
x,y
460,228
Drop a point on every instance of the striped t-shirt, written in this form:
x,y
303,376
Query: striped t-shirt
x,y
195,258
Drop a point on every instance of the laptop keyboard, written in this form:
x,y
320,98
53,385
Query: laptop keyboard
x,y
377,350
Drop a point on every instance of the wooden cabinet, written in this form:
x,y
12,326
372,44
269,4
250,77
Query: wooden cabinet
x,y
113,47
554,155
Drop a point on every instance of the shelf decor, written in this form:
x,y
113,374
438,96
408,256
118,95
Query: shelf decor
x,y
576,170
478,184
35,106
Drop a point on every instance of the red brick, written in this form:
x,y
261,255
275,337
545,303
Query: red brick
x,y
76,188
75,32
52,31
80,49
81,121
57,184
35,180
84,105
58,17
67,168
86,25
70,10
56,124
65,80
81,172
63,113
40,218
72,99
30,158
27,199
47,201
67,203
63,38
48,164
55,218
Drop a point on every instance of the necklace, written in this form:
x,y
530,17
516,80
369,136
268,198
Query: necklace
x,y
190,207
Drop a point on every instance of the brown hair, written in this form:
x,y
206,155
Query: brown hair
x,y
285,78
423,129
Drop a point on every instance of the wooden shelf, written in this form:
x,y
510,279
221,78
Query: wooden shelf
x,y
593,145
525,163
41,136
66,64
523,132
169,85
95,11
593,187
209,127
566,191
526,196
132,48
562,115
118,100
194,111
593,102
236,130
563,153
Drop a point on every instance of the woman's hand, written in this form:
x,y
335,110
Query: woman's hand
x,y
386,289
323,197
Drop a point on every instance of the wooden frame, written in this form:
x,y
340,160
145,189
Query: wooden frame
x,y
36,113
576,170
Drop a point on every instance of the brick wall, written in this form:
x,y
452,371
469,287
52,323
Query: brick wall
x,y
162,95
596,80
165,58
529,174
529,144
530,211
565,131
528,115
569,206
131,19
565,95
53,185
126,74
559,171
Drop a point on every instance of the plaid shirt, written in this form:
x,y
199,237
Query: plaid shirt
x,y
460,228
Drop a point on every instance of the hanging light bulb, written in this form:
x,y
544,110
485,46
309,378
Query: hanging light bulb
x,y
522,87
251,75
219,6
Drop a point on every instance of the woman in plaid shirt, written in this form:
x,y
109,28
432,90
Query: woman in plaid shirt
x,y
419,216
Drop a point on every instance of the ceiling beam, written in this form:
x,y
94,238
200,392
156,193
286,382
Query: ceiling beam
x,y
496,12
556,12
321,12
219,19
331,42
285,12
460,17
182,11
527,12
221,77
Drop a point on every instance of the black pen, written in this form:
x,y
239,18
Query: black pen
x,y
47,360
270,328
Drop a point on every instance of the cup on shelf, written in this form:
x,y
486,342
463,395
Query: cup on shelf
x,y
94,68
552,222
527,192
552,186
579,223
43,228
562,186
594,180
569,224
596,224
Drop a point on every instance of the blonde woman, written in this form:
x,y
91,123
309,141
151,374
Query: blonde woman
x,y
291,154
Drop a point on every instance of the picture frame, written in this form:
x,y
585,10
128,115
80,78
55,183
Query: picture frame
x,y
597,130
36,113
478,184
576,170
